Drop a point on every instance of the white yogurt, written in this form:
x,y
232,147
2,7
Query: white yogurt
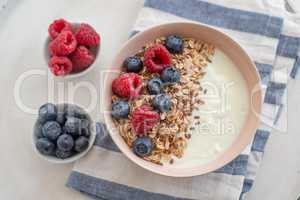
x,y
222,115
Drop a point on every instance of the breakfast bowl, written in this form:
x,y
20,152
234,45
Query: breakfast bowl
x,y
57,148
200,150
89,52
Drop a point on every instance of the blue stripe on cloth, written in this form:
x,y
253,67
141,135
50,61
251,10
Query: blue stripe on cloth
x,y
103,138
265,71
248,183
288,46
260,140
295,68
275,93
236,167
102,189
229,18
278,114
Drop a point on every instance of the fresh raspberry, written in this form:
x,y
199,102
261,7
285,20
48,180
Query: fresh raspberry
x,y
144,119
127,85
64,44
157,58
87,36
58,26
60,66
82,58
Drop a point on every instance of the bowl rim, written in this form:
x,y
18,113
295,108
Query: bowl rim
x,y
226,156
47,57
73,158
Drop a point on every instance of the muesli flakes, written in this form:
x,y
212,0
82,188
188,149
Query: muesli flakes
x,y
170,135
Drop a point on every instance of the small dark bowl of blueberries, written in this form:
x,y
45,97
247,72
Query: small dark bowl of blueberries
x,y
63,133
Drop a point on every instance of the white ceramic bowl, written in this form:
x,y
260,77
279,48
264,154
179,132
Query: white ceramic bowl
x,y
73,158
94,50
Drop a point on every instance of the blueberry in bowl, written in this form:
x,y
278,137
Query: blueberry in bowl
x,y
155,86
51,130
162,102
142,146
170,75
47,112
120,109
174,44
63,133
133,64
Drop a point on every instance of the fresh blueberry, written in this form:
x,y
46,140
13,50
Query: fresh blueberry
x,y
155,86
65,142
75,111
47,112
170,75
77,127
61,119
174,44
162,102
81,144
142,146
63,154
51,130
73,126
85,128
38,129
45,146
120,109
133,64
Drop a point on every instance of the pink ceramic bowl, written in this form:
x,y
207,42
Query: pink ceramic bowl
x,y
232,50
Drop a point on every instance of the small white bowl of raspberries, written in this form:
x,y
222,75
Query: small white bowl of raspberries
x,y
63,133
71,48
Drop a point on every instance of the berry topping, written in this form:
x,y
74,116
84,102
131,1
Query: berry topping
x,y
162,102
63,154
51,130
45,146
64,44
87,36
170,75
127,85
157,58
142,146
120,109
60,66
133,64
81,144
174,44
47,112
58,26
155,86
143,119
65,142
82,58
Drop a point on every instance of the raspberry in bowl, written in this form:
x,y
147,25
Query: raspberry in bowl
x,y
71,48
63,133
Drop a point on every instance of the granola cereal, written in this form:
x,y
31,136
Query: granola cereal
x,y
171,133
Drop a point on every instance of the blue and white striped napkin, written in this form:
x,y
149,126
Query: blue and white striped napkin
x,y
269,35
